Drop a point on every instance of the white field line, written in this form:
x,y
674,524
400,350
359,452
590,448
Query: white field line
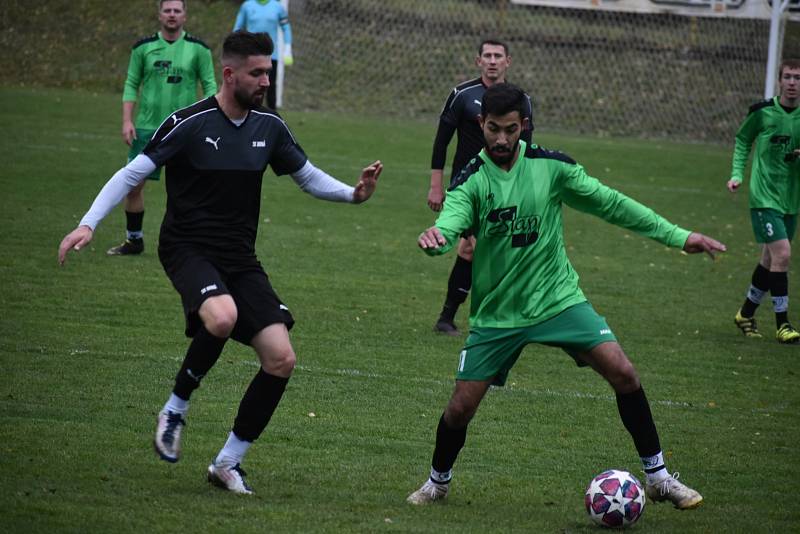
x,y
509,389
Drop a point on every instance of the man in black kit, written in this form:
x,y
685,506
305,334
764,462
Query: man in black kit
x,y
215,153
460,114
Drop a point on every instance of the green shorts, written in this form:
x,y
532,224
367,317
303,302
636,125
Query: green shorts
x,y
142,138
771,225
490,353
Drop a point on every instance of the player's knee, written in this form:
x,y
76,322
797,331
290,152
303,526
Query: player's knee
x,y
221,323
778,255
780,261
458,414
281,362
624,378
465,249
137,192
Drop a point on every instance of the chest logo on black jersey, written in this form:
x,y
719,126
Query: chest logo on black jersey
x,y
260,144
213,142
506,222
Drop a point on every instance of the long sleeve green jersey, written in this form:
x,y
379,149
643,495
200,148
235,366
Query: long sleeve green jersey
x,y
168,73
521,275
775,175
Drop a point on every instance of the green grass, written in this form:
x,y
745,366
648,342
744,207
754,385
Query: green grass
x,y
89,351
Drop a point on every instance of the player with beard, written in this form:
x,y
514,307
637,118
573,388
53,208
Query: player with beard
x,y
525,289
215,153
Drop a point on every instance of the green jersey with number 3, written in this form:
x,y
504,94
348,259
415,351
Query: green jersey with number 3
x,y
168,73
521,275
775,176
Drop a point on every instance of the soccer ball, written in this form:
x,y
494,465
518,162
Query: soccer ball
x,y
614,499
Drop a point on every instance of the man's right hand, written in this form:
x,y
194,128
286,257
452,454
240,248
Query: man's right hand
x,y
128,132
733,185
75,240
431,238
436,198
436,192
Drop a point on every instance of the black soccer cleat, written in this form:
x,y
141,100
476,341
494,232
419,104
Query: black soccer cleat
x,y
447,327
130,247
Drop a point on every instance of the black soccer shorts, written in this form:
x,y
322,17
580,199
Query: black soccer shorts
x,y
197,277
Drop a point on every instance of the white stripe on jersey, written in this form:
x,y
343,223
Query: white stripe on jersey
x,y
282,122
457,92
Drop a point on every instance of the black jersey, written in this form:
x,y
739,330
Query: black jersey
x,y
213,175
460,114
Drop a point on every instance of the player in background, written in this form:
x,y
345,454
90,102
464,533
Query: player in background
x,y
460,115
525,289
774,126
215,153
267,16
166,66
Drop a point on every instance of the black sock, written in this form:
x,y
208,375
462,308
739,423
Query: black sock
x,y
779,288
200,358
458,286
258,405
638,420
759,284
134,224
449,442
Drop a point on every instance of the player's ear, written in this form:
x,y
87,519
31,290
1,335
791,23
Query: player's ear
x,y
227,74
525,123
481,120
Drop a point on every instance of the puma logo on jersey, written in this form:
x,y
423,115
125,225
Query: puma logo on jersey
x,y
213,142
175,119
477,101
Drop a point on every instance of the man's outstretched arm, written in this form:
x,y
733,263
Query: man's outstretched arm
x,y
117,187
320,184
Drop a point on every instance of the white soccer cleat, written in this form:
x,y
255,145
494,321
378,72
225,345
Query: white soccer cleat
x,y
429,492
679,494
229,478
167,441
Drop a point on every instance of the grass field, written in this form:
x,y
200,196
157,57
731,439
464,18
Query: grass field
x,y
89,352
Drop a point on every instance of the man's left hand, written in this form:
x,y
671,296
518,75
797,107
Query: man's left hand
x,y
701,243
367,183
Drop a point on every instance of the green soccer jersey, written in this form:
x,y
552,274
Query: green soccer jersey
x,y
775,176
521,275
168,74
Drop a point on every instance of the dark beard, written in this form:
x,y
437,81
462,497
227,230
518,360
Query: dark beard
x,y
500,158
247,101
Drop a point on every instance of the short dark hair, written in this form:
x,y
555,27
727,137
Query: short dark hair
x,y
494,42
790,63
503,98
242,44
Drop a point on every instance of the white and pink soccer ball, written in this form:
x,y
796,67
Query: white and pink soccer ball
x,y
615,499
